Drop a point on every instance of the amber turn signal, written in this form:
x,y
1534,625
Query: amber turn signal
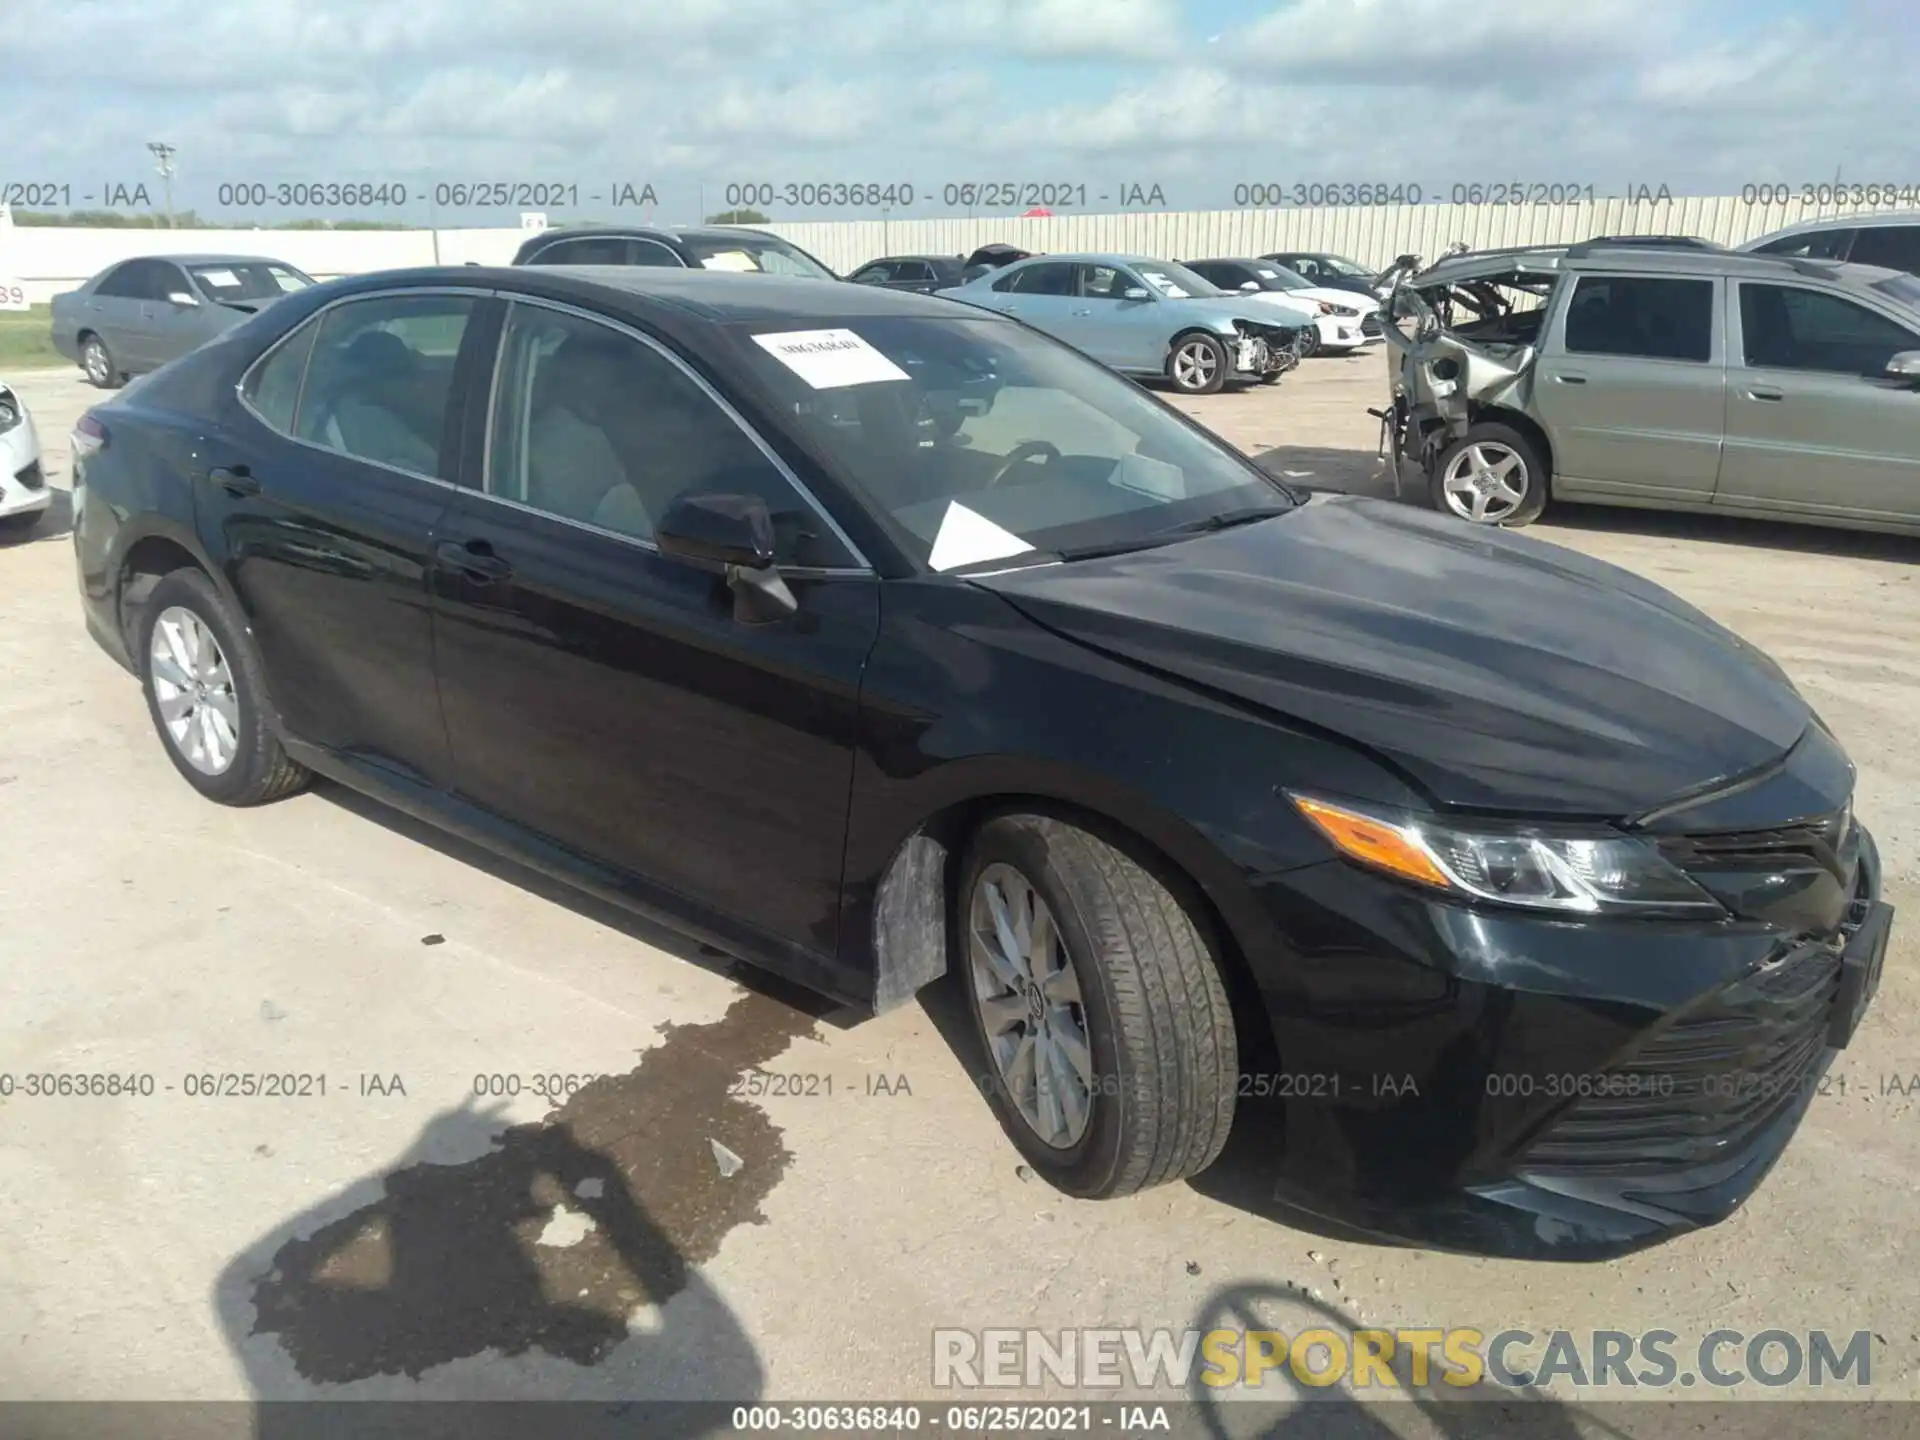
x,y
1372,842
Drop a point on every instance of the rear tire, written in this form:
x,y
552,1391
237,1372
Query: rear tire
x,y
102,371
1161,1057
207,696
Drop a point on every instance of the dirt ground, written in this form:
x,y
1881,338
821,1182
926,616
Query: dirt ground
x,y
385,1238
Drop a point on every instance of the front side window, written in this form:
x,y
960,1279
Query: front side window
x,y
1785,327
1104,282
977,440
1050,277
380,379
877,274
595,426
248,280
651,252
1648,317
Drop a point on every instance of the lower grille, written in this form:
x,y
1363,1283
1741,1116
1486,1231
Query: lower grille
x,y
33,477
1370,325
1703,1086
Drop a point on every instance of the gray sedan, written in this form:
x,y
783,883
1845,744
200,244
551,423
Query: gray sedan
x,y
1144,317
139,314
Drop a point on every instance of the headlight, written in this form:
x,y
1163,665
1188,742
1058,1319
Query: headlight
x,y
1321,307
1347,310
9,412
1582,871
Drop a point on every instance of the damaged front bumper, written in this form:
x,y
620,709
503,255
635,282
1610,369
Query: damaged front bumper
x,y
1265,352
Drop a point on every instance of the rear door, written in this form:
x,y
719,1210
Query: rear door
x,y
1631,386
171,327
602,698
321,499
1814,424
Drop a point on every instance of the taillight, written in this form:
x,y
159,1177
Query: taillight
x,y
89,437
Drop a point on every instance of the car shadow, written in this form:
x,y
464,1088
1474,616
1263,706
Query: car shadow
x,y
54,523
657,934
1734,530
1284,1409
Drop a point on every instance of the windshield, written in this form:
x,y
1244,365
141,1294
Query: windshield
x,y
980,442
1340,265
755,254
1275,277
1175,282
249,280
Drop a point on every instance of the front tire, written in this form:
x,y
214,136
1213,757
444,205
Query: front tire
x,y
102,371
1197,365
207,696
1492,475
1110,1054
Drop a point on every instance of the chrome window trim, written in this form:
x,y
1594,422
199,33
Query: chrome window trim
x,y
673,254
240,386
486,492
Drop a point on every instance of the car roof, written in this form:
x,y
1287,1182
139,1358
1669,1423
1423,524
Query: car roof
x,y
651,231
194,259
1602,256
1094,257
661,294
930,259
1841,222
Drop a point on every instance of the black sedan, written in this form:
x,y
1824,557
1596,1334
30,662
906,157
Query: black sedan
x,y
921,274
872,640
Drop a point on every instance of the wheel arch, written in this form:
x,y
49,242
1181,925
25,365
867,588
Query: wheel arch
x,y
161,548
908,925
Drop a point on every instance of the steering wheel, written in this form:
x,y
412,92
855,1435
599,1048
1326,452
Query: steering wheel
x,y
1023,452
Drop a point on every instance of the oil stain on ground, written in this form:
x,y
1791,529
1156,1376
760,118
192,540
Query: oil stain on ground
x,y
554,1240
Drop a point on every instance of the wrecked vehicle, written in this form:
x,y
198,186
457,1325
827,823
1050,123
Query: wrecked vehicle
x,y
1659,372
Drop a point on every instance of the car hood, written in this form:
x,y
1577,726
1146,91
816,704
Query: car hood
x,y
1491,670
1222,310
1338,297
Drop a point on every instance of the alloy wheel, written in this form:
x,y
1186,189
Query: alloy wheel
x,y
1486,482
1028,996
193,687
95,360
1194,364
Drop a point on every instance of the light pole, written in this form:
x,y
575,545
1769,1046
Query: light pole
x,y
163,162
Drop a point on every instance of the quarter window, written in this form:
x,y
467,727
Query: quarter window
x,y
652,252
595,426
380,379
1652,318
1784,327
273,388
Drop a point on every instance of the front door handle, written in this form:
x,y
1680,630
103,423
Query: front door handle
x,y
1567,377
474,559
1765,392
235,480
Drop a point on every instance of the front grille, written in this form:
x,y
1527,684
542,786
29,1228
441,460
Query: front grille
x,y
32,477
1827,841
1701,1087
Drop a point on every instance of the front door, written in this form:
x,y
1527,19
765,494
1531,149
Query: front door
x,y
1631,386
320,500
1814,423
602,697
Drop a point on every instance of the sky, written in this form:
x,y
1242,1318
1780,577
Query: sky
x,y
1113,104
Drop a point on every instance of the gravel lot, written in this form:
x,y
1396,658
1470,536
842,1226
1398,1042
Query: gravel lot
x,y
383,1239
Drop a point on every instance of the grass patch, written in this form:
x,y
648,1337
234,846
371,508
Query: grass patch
x,y
26,340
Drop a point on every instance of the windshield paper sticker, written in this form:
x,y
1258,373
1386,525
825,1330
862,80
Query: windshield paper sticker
x,y
220,279
828,359
967,538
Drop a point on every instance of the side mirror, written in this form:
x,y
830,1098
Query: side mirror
x,y
1136,293
1905,366
736,533
182,299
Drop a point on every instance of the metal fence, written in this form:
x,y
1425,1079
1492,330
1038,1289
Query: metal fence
x,y
47,260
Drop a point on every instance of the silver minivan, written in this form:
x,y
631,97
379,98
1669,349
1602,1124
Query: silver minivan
x,y
1679,379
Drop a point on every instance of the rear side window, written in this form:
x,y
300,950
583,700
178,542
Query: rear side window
x,y
380,379
1784,327
273,386
1812,245
1648,317
590,250
1897,247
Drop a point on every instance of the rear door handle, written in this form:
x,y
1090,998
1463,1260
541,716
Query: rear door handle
x,y
1765,392
235,480
475,559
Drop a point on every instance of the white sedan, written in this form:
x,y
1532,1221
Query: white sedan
x,y
1344,320
23,483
